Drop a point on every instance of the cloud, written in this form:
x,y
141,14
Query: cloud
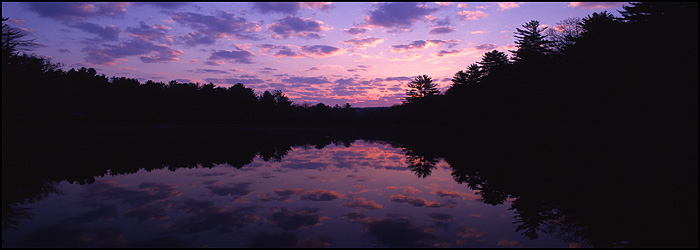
x,y
487,46
150,33
209,29
421,44
206,216
163,5
108,33
289,219
442,30
290,26
316,51
361,203
506,243
234,190
362,43
398,15
239,56
469,233
71,11
111,53
289,7
320,195
397,232
245,81
280,7
209,71
321,50
406,58
440,216
418,202
318,5
508,5
595,5
468,15
462,5
306,80
356,30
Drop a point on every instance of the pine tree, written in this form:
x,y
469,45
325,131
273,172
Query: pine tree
x,y
493,61
421,88
531,44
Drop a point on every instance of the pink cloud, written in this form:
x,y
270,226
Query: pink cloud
x,y
362,43
469,15
595,5
290,26
508,5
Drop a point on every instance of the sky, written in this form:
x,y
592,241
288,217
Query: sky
x,y
361,53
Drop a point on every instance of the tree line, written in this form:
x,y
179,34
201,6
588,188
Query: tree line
x,y
597,70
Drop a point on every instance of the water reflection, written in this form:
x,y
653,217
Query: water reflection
x,y
318,189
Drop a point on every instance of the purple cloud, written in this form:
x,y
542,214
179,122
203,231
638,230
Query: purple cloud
x,y
291,26
355,30
245,81
110,53
399,15
209,71
448,52
285,51
421,44
150,33
320,50
485,46
109,33
304,51
68,11
442,30
306,80
209,29
163,5
240,56
280,7
361,43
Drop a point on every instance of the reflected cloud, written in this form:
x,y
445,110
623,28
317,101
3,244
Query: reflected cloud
x,y
206,216
361,203
420,202
293,219
235,190
397,232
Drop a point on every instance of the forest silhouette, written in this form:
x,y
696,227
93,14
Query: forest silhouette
x,y
602,71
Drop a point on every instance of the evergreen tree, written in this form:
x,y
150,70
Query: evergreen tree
x,y
493,61
469,77
421,88
531,44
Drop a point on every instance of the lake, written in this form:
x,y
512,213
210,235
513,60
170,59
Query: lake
x,y
218,188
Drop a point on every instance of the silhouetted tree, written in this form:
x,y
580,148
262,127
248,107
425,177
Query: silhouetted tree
x,y
530,42
564,33
469,77
13,41
421,88
493,61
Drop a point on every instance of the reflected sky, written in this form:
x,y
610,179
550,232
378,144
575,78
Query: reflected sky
x,y
364,195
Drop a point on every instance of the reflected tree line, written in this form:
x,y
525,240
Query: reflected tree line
x,y
599,189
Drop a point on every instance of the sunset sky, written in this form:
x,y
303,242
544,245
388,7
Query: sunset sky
x,y
361,53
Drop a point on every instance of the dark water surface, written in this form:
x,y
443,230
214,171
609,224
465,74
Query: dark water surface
x,y
320,188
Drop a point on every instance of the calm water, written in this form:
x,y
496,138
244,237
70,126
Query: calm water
x,y
364,195
221,188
